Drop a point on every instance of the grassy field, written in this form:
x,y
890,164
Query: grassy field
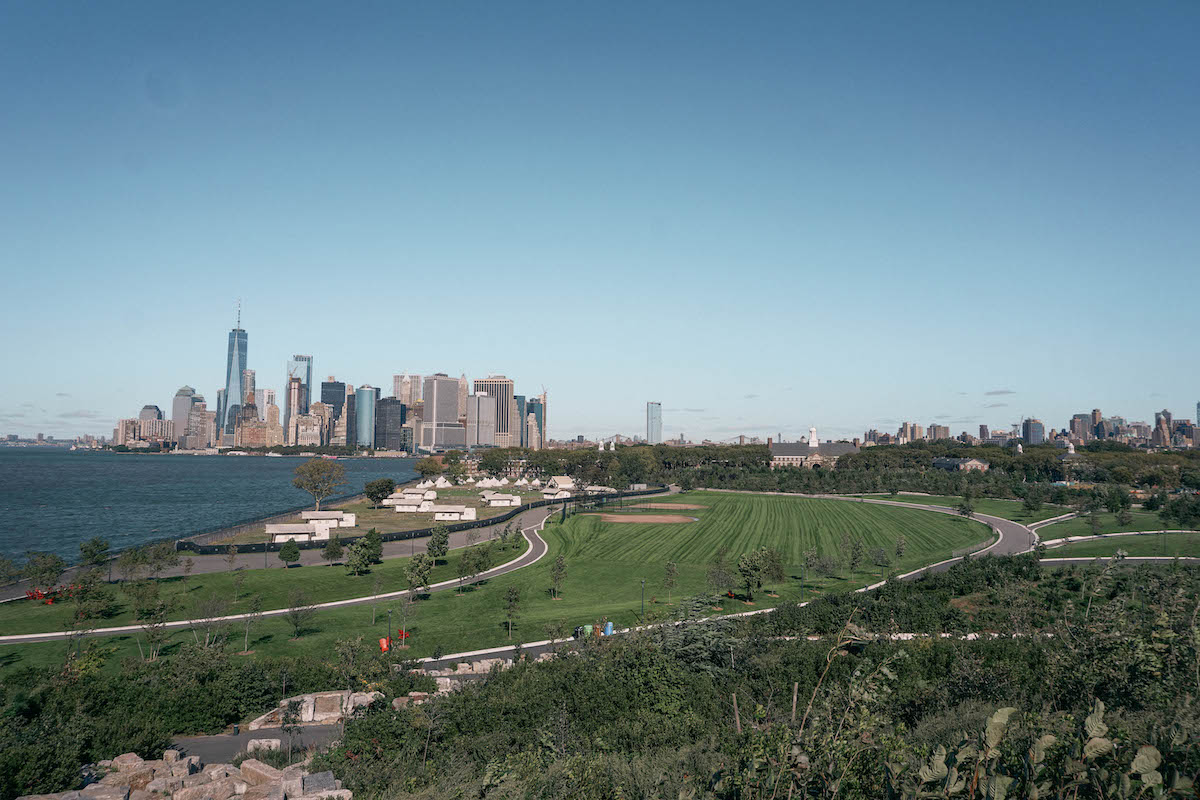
x,y
386,520
606,563
322,583
1167,544
1005,509
1079,526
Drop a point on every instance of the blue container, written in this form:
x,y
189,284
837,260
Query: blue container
x,y
608,629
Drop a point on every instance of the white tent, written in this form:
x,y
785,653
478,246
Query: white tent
x,y
442,483
504,481
521,482
425,484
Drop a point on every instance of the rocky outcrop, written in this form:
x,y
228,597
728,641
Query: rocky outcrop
x,y
317,708
129,777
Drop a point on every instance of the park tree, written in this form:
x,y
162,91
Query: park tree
x,y
901,546
1117,498
966,507
160,557
132,564
93,552
374,544
719,576
1124,516
512,606
289,724
358,558
253,616
466,563
558,573
408,608
772,565
290,553
377,490
750,568
320,477
439,542
300,611
231,554
91,599
670,575
427,467
1094,523
858,552
189,564
417,572
43,569
1033,500
332,550
9,571
457,472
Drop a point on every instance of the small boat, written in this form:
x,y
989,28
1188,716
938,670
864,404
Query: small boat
x,y
274,455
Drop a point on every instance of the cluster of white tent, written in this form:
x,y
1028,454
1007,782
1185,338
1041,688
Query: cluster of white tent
x,y
316,526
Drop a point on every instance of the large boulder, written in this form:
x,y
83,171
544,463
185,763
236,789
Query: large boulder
x,y
267,791
127,761
221,789
165,784
56,796
332,794
254,745
216,771
320,782
199,779
139,778
171,756
98,791
256,773
293,780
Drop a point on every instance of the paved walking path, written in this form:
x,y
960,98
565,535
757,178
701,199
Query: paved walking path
x,y
537,549
220,748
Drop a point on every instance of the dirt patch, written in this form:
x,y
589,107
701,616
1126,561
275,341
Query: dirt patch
x,y
646,519
669,506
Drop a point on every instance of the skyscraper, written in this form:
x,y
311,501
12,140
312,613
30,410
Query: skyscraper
x,y
408,388
481,420
299,367
389,423
654,423
333,394
440,429
500,388
522,413
235,365
364,407
150,412
181,407
291,401
462,398
536,407
1032,431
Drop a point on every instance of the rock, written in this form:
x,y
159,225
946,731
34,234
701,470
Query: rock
x,y
199,779
214,790
181,769
115,779
216,771
327,706
256,773
444,685
58,796
293,780
254,745
364,699
267,791
334,794
171,756
139,778
319,783
140,794
165,784
98,791
126,761
194,762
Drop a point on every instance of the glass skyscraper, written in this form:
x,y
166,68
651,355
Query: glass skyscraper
x,y
235,367
519,399
364,407
299,367
654,423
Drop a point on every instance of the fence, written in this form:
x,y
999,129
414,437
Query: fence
x,y
400,536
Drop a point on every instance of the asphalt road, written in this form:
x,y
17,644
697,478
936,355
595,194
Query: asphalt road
x,y
222,747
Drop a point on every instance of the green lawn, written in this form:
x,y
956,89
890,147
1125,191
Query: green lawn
x,y
1167,544
606,563
1079,526
322,583
1005,509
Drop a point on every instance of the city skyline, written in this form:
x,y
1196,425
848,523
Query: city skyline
x,y
978,220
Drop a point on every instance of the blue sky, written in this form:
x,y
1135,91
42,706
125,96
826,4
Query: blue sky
x,y
764,216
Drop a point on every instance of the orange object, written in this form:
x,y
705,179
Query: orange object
x,y
383,645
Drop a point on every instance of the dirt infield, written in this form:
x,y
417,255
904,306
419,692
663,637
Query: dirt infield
x,y
645,519
668,506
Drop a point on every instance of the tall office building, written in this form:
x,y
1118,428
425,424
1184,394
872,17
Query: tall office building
x,y
390,417
936,432
481,420
983,431
181,407
1033,432
229,403
364,412
501,388
440,428
247,382
408,388
462,398
333,394
291,400
522,413
654,423
260,401
299,367
536,407
150,412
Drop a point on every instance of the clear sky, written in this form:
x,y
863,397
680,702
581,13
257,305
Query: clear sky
x,y
764,216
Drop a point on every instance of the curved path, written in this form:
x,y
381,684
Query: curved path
x,y
537,549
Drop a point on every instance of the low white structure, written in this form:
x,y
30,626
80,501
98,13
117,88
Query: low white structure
x,y
296,532
599,490
555,494
452,513
412,505
343,519
561,482
497,500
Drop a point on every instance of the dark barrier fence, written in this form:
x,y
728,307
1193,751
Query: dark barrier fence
x,y
590,501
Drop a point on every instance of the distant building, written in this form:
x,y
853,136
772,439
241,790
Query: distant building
x,y
535,407
235,366
522,414
983,432
1033,431
181,406
938,432
481,421
812,453
293,400
201,429
149,413
961,464
364,410
156,430
299,367
654,423
440,428
126,432
501,388
390,416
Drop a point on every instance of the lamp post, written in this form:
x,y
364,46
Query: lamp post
x,y
643,598
389,639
